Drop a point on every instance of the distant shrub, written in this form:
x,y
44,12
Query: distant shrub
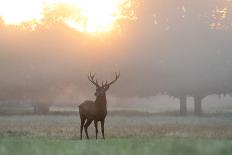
x,y
41,107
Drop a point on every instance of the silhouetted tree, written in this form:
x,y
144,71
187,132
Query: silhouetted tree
x,y
183,105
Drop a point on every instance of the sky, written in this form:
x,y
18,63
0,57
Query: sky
x,y
172,47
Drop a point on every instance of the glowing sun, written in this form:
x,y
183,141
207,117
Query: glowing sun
x,y
91,16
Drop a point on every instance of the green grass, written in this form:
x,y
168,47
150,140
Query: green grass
x,y
125,135
137,146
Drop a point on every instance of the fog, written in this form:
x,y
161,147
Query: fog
x,y
170,49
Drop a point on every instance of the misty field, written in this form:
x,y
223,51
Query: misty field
x,y
125,134
135,125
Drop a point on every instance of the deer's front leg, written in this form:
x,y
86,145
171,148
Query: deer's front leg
x,y
102,128
96,127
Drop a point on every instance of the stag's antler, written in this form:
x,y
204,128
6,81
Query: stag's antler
x,y
117,75
91,79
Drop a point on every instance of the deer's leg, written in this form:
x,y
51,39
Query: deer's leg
x,y
102,128
89,121
83,119
96,127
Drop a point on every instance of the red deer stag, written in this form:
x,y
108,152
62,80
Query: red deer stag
x,y
95,110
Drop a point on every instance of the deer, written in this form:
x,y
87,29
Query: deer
x,y
95,110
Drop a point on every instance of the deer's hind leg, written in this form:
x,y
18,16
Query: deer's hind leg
x,y
83,119
88,122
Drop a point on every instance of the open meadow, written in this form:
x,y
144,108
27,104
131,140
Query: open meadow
x,y
125,134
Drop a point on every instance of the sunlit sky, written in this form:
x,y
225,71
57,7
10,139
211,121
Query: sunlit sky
x,y
85,16
173,43
105,15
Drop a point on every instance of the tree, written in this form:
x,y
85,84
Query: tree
x,y
183,105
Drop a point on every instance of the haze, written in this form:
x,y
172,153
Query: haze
x,y
178,48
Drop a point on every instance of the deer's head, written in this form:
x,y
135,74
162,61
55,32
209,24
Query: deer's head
x,y
101,89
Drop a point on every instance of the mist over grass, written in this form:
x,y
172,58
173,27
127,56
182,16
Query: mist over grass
x,y
118,126
125,135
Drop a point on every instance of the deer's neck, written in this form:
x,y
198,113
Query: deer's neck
x,y
101,100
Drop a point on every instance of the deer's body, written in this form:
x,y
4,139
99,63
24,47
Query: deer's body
x,y
95,110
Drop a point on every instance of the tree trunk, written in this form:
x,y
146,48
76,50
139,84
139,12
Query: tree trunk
x,y
197,105
35,108
183,105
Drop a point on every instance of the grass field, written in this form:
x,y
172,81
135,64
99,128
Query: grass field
x,y
134,126
128,134
159,146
